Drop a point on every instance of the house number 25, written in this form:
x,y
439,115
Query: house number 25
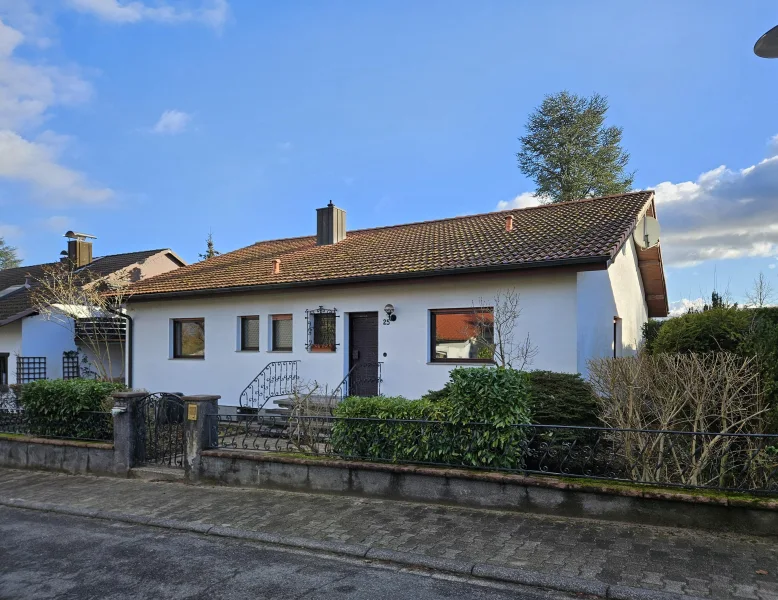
x,y
387,321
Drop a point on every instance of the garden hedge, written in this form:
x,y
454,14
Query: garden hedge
x,y
59,408
472,426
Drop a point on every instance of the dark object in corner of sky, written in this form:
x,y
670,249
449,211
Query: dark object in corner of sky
x,y
767,45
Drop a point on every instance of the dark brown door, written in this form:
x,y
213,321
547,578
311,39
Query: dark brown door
x,y
363,357
3,369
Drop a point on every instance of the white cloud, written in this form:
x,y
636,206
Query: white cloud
x,y
681,307
724,214
771,266
10,232
28,91
35,163
172,122
524,200
211,12
58,223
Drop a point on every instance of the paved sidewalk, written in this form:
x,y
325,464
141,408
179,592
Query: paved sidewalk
x,y
681,561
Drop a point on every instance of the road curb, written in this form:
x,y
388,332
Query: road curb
x,y
575,585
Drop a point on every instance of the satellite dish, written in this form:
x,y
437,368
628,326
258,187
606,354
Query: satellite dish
x,y
646,234
767,45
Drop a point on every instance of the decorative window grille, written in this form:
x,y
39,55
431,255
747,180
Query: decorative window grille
x,y
321,324
30,368
70,366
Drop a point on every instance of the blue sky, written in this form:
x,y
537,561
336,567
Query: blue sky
x,y
150,123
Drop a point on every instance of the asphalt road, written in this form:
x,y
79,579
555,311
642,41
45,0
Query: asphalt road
x,y
51,556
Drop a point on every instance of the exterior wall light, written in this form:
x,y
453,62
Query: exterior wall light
x,y
389,310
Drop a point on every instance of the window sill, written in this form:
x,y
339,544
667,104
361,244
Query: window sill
x,y
322,350
280,351
186,358
482,363
249,351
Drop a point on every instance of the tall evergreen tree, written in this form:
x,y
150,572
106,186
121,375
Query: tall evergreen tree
x,y
569,152
210,251
8,257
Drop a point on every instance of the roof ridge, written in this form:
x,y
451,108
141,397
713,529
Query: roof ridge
x,y
491,212
95,259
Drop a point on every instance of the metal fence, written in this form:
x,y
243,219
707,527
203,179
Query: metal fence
x,y
86,426
722,461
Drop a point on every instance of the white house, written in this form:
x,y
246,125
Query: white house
x,y
33,346
396,304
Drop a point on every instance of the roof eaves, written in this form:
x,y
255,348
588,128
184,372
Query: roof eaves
x,y
20,315
589,260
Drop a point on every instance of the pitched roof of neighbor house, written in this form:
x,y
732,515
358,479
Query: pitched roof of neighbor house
x,y
18,302
567,233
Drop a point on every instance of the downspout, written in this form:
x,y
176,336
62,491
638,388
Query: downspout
x,y
130,341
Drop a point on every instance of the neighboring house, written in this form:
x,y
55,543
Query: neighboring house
x,y
401,296
34,347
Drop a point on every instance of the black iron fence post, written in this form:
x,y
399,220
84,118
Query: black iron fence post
x,y
200,411
125,424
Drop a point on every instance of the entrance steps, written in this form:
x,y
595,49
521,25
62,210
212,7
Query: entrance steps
x,y
157,473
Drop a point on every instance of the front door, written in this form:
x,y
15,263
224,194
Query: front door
x,y
3,369
363,358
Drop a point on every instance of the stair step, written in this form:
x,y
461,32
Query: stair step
x,y
157,473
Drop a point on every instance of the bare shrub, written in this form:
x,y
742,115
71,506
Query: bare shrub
x,y
718,393
497,332
309,422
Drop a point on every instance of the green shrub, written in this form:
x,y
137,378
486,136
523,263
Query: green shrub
x,y
650,330
56,407
440,395
714,330
562,399
470,425
380,439
494,395
761,340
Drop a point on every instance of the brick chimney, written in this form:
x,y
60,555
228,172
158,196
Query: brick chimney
x,y
276,266
508,222
330,225
79,249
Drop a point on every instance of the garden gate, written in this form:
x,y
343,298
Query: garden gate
x,y
159,430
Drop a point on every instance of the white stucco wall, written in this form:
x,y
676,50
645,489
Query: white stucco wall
x,y
41,337
11,342
630,298
603,295
549,315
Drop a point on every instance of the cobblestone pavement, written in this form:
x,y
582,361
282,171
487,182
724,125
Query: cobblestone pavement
x,y
658,558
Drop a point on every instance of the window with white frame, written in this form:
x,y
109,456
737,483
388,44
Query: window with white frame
x,y
188,338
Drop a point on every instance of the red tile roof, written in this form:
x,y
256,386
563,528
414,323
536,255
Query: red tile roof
x,y
582,231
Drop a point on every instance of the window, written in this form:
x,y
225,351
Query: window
x,y
189,338
281,340
249,333
462,335
321,329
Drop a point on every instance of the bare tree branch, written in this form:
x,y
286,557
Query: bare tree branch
x,y
497,331
69,296
761,293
